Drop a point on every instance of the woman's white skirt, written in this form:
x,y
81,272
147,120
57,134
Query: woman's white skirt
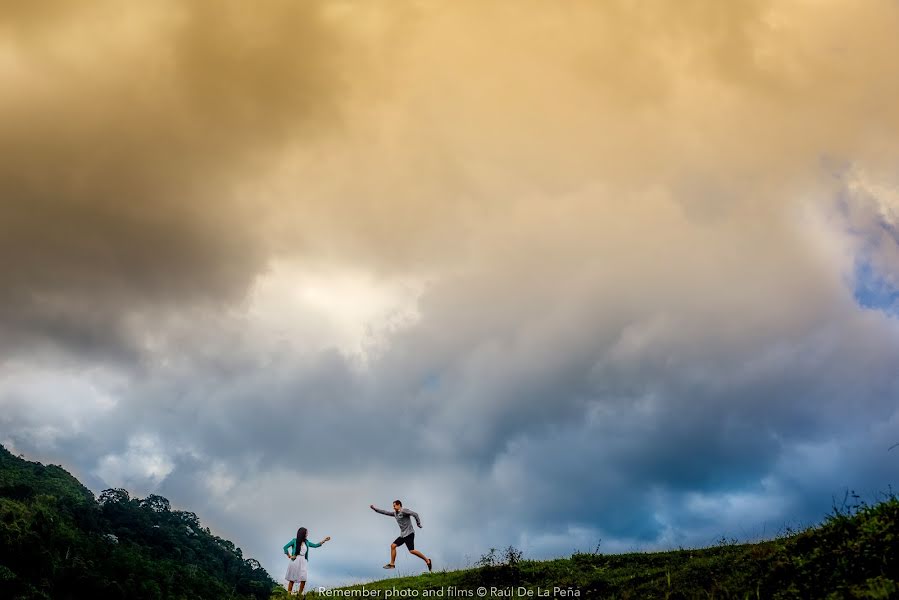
x,y
296,570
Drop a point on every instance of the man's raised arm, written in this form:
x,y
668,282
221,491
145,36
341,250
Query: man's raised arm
x,y
378,510
414,515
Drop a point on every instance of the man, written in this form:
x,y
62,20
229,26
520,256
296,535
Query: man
x,y
403,518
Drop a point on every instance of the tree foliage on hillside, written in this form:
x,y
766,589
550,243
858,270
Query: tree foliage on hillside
x,y
57,541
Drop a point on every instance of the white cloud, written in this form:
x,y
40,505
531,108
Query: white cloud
x,y
315,306
53,402
141,467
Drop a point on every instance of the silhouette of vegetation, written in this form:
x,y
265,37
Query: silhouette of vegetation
x,y
854,553
57,541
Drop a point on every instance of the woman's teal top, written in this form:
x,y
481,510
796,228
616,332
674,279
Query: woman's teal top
x,y
293,544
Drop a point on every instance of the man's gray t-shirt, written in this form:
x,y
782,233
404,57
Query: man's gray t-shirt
x,y
403,519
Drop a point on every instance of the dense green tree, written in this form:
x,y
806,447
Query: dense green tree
x,y
58,541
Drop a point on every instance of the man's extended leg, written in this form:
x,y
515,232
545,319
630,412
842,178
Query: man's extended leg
x,y
421,556
392,562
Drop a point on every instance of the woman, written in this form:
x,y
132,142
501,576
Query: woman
x,y
297,550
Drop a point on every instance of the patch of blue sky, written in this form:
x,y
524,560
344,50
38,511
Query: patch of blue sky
x,y
873,289
431,381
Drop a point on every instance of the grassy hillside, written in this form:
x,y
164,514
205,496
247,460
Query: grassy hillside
x,y
853,554
58,541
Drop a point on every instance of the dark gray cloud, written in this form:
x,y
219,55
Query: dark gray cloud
x,y
123,143
547,286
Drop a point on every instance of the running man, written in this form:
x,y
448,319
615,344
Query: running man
x,y
403,518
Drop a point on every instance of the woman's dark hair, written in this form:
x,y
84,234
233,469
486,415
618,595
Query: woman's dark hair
x,y
301,537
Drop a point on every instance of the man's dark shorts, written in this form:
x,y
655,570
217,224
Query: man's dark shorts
x,y
409,540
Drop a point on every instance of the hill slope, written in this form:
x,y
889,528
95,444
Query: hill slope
x,y
57,541
853,554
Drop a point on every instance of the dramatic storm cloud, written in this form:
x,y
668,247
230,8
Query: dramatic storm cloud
x,y
549,273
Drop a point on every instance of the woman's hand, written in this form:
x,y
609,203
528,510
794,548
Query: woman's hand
x,y
327,539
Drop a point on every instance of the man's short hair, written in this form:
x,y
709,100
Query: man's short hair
x,y
397,502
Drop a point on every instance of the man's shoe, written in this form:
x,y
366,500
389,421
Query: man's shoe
x,y
389,566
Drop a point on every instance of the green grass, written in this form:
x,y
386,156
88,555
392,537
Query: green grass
x,y
853,554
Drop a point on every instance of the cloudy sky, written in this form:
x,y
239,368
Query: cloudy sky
x,y
549,272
